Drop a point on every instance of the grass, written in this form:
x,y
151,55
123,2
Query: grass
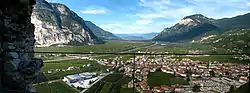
x,y
128,90
112,83
67,63
112,77
243,89
160,78
55,87
106,88
110,46
218,58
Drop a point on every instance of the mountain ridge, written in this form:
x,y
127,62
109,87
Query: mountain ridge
x,y
100,33
137,36
56,24
189,26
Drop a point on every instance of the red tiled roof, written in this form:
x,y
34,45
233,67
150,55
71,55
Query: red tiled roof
x,y
158,89
147,91
165,87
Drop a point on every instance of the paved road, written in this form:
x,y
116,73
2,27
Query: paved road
x,y
94,83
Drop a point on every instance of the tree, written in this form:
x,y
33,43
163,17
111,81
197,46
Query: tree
x,y
196,88
212,73
232,89
188,73
90,82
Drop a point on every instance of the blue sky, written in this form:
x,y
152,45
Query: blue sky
x,y
144,16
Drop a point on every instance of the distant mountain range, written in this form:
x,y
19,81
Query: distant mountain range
x,y
56,24
100,33
196,25
137,36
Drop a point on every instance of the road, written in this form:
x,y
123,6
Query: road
x,y
131,50
54,60
47,82
94,83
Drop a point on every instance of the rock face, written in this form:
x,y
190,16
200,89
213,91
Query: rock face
x,y
196,25
187,28
18,66
100,33
56,24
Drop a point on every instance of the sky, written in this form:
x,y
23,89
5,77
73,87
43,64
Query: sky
x,y
145,16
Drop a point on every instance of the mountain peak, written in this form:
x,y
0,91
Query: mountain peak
x,y
196,16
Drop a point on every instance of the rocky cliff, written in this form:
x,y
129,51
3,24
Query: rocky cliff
x,y
18,66
56,24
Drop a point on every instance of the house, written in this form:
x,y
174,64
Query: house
x,y
243,79
144,85
147,91
158,89
166,88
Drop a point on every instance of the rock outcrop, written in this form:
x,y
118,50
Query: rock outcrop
x,y
56,24
187,28
18,66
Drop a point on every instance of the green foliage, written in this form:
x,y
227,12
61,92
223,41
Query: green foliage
x,y
111,46
106,88
243,89
67,63
196,88
160,78
233,41
55,87
113,77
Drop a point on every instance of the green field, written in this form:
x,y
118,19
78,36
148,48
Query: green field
x,y
243,89
160,78
55,87
218,58
110,46
112,83
67,63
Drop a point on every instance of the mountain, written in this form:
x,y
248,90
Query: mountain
x,y
99,32
196,25
137,36
56,24
232,41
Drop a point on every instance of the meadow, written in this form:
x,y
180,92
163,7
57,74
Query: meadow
x,y
160,78
109,46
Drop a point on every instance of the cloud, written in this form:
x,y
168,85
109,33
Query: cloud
x,y
150,15
95,10
176,10
248,4
124,28
143,22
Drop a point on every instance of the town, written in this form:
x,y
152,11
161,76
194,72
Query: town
x,y
183,74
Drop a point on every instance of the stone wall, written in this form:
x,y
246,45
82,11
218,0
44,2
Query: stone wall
x,y
18,67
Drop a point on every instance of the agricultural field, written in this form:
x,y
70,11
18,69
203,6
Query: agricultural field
x,y
112,83
218,58
63,65
160,78
55,87
109,46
